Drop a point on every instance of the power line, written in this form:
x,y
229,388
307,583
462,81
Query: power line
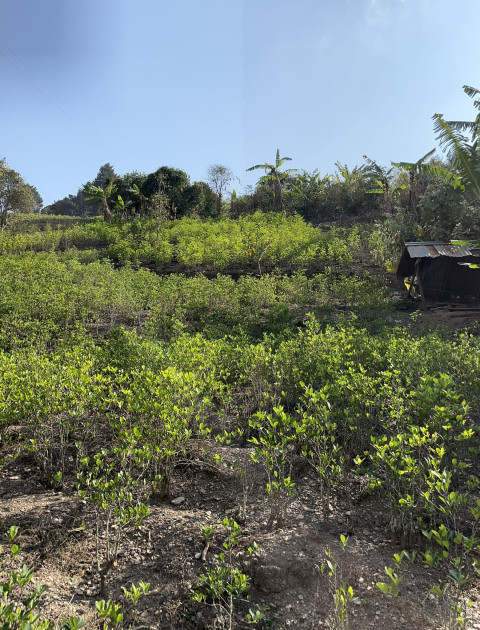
x,y
31,77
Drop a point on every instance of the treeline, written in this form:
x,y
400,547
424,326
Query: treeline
x,y
419,200
166,191
426,199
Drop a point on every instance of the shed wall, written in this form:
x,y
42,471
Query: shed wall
x,y
445,278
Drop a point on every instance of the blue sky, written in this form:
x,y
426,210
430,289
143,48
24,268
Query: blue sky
x,y
184,83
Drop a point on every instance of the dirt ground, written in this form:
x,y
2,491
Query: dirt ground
x,y
167,551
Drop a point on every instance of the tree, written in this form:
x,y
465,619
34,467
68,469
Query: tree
x,y
349,188
309,192
87,204
219,176
131,188
66,206
171,181
199,199
414,169
15,194
106,173
275,177
37,199
384,183
463,152
102,194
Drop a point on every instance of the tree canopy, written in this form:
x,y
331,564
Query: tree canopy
x,y
274,177
15,194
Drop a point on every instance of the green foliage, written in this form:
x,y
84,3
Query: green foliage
x,y
409,463
446,212
274,177
15,194
303,367
395,576
167,408
259,242
113,481
342,594
19,599
464,156
275,442
102,194
319,442
114,616
223,585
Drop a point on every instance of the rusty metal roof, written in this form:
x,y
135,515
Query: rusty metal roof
x,y
434,250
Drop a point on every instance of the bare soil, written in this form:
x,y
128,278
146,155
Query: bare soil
x,y
167,551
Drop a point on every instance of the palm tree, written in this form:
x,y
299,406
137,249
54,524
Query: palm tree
x,y
274,176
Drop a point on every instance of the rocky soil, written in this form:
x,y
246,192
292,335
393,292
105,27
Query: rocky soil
x,y
56,535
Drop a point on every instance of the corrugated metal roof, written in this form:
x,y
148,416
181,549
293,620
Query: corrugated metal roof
x,y
433,250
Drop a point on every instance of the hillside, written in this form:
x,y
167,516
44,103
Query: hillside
x,y
175,393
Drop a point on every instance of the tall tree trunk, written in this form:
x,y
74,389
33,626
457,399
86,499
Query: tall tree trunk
x,y
107,215
278,196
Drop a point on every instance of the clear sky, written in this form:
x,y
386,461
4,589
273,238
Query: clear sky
x,y
191,83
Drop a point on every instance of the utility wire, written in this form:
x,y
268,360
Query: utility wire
x,y
28,74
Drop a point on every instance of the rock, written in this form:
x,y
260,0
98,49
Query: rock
x,y
178,500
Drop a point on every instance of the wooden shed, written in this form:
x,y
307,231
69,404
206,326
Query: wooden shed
x,y
441,271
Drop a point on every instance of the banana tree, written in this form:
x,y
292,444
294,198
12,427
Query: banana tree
x,y
384,183
463,152
414,169
351,186
308,192
275,177
102,194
